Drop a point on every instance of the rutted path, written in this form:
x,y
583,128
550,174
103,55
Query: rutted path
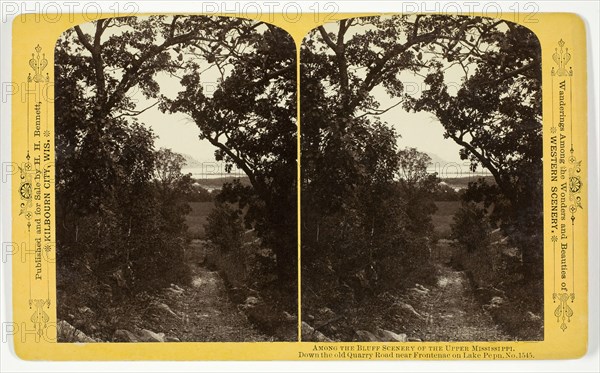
x,y
453,313
199,312
207,313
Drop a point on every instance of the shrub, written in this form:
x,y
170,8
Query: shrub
x,y
224,227
471,227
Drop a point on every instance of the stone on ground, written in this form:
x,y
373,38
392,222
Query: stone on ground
x,y
388,336
365,336
149,336
123,335
309,334
67,332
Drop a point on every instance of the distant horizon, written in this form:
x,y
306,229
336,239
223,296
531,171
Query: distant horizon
x,y
201,169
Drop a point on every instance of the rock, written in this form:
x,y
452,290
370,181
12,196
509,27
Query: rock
x,y
289,317
174,289
68,333
310,317
365,336
533,317
511,252
251,302
253,293
86,310
413,339
309,334
264,316
123,335
149,336
177,288
495,302
405,309
163,308
172,339
485,294
326,313
419,291
422,288
388,336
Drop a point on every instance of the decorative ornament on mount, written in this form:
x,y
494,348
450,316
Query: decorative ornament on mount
x,y
575,185
40,318
562,58
25,190
563,312
38,64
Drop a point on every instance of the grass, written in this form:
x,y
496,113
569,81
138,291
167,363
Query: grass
x,y
443,217
463,182
196,219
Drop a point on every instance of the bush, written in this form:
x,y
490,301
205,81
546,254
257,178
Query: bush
x,y
224,227
471,227
200,194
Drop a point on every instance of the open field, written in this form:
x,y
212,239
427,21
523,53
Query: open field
x,y
217,182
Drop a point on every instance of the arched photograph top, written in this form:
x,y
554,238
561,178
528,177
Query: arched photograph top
x,y
421,180
176,180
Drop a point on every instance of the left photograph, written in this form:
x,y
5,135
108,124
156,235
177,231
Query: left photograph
x,y
176,147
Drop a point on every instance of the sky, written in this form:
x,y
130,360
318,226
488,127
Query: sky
x,y
420,130
178,132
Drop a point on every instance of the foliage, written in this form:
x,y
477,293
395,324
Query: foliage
x,y
123,204
199,194
120,203
495,116
367,205
444,192
251,119
224,227
471,227
417,188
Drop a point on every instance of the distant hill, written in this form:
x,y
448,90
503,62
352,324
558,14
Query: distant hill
x,y
437,160
191,162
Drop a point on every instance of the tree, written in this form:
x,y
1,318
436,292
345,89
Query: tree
x,y
471,227
167,170
97,67
224,227
344,63
251,119
172,189
417,187
496,117
413,166
111,215
352,208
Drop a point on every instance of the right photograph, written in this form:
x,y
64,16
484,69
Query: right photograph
x,y
421,180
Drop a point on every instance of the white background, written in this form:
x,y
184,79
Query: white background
x,y
588,10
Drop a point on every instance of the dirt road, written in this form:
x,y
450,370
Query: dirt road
x,y
453,313
206,313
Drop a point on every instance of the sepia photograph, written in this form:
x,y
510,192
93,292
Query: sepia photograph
x,y
421,180
176,173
